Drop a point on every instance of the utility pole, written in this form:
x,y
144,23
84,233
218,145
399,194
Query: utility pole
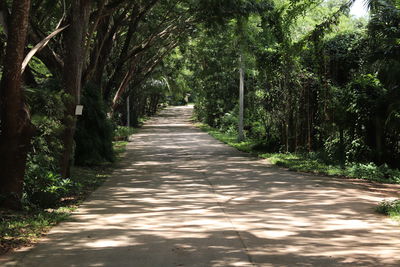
x,y
128,113
241,99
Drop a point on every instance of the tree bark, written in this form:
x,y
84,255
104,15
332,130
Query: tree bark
x,y
99,56
241,98
74,40
342,156
16,127
115,77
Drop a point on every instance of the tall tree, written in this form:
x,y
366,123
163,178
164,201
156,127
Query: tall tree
x,y
74,56
16,127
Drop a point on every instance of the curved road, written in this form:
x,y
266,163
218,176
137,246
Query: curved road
x,y
182,198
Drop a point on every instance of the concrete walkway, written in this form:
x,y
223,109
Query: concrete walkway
x,y
182,198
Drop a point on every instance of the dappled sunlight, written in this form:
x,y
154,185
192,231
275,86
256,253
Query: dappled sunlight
x,y
181,198
167,126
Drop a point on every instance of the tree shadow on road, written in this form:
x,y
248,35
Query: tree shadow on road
x,y
181,198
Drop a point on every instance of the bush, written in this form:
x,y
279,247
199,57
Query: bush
x,y
357,150
391,208
45,190
94,132
367,171
331,151
123,132
229,124
42,185
371,171
268,145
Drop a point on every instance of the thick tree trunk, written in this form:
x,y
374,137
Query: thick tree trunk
x,y
16,127
74,40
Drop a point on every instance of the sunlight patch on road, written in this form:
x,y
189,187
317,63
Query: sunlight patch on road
x,y
105,243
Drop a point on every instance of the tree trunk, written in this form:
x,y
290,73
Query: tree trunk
x,y
115,77
102,61
241,99
342,156
308,121
379,140
74,40
16,127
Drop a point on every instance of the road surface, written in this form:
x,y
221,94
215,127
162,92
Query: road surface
x,y
181,198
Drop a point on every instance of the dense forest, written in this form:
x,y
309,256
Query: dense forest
x,y
316,79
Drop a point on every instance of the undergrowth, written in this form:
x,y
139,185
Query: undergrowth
x,y
390,208
309,162
23,228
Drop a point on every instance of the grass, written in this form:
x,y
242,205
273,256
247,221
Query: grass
x,y
119,148
298,162
122,133
18,229
390,208
309,162
230,139
23,228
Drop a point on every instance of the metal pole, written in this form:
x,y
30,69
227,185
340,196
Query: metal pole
x,y
241,99
128,115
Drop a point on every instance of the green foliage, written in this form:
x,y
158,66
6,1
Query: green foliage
x,y
216,12
373,172
175,77
123,132
391,208
344,54
302,162
309,85
227,138
23,228
94,132
47,189
19,229
215,84
43,186
316,80
308,162
119,147
42,74
385,46
228,122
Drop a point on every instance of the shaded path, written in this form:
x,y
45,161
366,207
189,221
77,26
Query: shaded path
x,y
182,198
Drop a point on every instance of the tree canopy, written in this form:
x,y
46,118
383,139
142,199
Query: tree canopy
x,y
316,79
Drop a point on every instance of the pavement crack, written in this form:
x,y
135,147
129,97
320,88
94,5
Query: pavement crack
x,y
237,232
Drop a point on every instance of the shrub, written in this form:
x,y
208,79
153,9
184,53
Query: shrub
x,y
367,171
42,185
45,190
391,208
228,122
357,150
373,172
123,132
269,145
94,132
